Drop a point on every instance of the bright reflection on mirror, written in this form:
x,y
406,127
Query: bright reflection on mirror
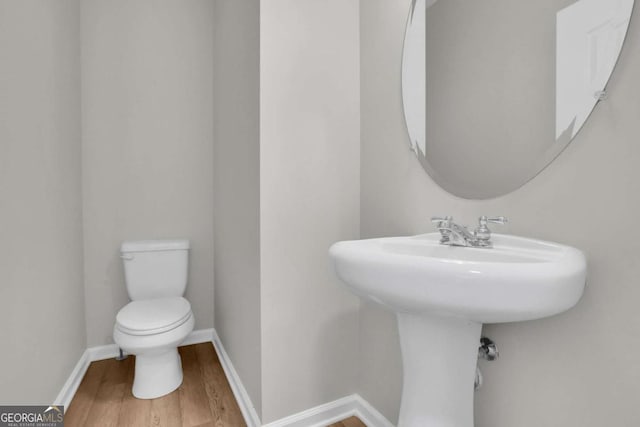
x,y
590,34
494,91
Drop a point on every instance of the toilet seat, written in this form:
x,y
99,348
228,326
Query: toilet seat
x,y
154,316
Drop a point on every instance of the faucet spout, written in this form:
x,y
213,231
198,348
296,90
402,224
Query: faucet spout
x,y
458,235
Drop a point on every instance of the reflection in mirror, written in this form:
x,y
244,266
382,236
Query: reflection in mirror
x,y
494,91
589,37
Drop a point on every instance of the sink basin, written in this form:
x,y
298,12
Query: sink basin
x,y
518,279
443,294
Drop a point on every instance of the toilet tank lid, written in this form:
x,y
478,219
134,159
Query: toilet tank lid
x,y
154,245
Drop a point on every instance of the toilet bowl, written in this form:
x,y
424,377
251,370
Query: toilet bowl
x,y
158,318
152,331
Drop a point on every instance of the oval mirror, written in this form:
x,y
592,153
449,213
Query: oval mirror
x,y
494,91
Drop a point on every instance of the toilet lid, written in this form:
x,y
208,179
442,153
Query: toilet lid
x,y
145,317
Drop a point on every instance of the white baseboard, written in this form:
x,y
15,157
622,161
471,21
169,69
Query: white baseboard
x,y
102,352
108,351
319,416
242,397
368,414
198,337
73,382
329,413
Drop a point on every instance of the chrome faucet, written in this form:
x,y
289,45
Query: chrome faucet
x,y
458,235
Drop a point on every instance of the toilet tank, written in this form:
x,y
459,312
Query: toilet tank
x,y
155,268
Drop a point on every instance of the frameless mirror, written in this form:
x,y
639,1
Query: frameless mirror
x,y
493,91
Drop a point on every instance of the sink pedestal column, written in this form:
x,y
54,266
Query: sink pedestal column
x,y
439,356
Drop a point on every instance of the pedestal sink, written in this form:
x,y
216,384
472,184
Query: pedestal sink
x,y
443,294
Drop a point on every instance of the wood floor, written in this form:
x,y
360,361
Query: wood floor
x,y
349,422
204,399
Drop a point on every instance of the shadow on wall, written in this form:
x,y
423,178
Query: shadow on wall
x,y
379,351
335,364
115,274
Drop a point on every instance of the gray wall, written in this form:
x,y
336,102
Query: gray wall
x,y
576,369
286,113
41,291
147,102
237,187
309,198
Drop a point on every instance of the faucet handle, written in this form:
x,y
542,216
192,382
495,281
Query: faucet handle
x,y
483,233
443,224
502,220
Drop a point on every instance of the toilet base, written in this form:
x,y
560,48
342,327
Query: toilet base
x,y
157,374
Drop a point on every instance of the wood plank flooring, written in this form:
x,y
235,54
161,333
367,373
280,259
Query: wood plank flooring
x,y
349,422
204,399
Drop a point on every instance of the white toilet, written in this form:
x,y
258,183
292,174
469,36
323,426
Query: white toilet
x,y
158,318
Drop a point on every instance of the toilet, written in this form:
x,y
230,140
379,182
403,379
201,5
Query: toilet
x,y
158,318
